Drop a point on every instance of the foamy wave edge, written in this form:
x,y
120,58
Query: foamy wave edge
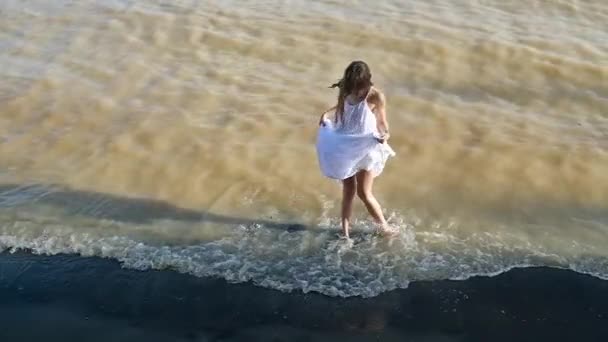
x,y
140,256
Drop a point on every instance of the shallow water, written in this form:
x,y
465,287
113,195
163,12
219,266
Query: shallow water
x,y
180,135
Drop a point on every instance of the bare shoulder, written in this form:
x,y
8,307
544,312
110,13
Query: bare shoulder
x,y
376,97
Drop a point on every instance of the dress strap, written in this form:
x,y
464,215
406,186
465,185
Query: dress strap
x,y
369,92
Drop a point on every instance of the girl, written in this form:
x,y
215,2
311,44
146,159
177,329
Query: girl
x,y
353,148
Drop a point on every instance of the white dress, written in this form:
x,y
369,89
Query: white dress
x,y
351,145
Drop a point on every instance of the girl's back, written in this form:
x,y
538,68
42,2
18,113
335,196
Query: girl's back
x,y
356,119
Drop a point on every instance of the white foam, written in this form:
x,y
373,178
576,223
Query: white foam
x,y
312,260
308,261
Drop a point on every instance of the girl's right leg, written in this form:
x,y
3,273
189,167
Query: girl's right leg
x,y
349,189
364,183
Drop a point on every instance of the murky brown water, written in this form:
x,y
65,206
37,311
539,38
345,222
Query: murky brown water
x,y
498,110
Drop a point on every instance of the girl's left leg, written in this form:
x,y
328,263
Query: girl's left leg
x,y
349,187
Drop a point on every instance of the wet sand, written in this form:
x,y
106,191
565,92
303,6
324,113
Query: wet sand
x,y
67,297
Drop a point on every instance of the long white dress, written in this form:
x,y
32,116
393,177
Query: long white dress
x,y
351,145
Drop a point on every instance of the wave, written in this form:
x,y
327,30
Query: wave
x,y
312,260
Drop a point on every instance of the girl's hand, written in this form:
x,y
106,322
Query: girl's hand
x,y
383,138
322,120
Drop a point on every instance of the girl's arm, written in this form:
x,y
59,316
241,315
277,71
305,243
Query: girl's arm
x,y
379,101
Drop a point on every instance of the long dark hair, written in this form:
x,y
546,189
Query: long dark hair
x,y
357,77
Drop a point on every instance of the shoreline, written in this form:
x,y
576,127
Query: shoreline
x,y
68,296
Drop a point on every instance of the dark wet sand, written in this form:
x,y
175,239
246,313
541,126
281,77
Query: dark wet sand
x,y
72,298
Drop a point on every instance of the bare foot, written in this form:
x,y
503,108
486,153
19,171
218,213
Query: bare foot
x,y
341,235
387,230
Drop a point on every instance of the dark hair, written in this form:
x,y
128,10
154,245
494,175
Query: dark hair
x,y
357,77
